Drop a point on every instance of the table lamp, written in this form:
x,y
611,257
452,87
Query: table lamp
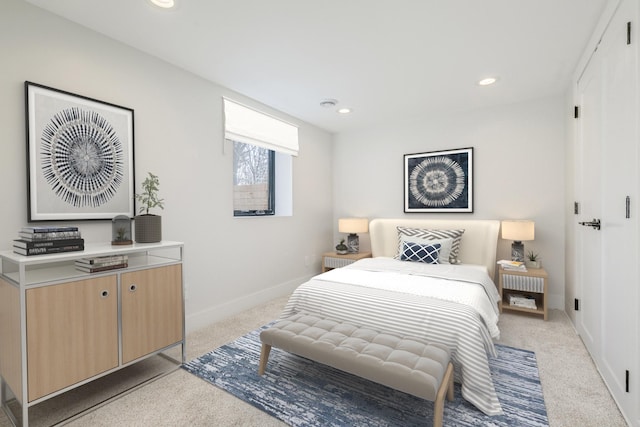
x,y
518,231
353,226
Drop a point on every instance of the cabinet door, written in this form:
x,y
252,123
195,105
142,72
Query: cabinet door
x,y
72,333
152,310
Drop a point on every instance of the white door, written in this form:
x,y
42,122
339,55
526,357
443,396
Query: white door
x,y
589,189
619,221
607,175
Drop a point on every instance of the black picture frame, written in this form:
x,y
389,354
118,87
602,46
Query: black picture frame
x,y
439,181
80,163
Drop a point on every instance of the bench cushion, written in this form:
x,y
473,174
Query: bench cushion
x,y
403,363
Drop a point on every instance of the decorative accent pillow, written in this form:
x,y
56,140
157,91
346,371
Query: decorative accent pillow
x,y
429,234
445,246
420,253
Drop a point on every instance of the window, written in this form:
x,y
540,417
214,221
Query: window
x,y
263,147
253,180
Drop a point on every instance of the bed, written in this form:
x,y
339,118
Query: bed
x,y
454,302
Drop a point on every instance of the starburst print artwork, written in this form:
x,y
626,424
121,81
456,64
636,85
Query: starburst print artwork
x,y
82,157
439,181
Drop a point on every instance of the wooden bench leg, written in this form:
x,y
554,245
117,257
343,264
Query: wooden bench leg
x,y
450,386
264,357
446,387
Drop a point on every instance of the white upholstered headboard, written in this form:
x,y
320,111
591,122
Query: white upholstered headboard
x,y
478,245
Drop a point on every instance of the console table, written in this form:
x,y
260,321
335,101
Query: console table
x,y
62,328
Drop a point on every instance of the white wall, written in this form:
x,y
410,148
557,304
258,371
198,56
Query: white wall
x,y
518,172
231,263
518,150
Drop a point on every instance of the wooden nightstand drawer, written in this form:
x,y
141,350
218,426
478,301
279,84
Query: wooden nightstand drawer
x,y
523,283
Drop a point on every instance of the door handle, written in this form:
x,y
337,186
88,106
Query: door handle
x,y
595,224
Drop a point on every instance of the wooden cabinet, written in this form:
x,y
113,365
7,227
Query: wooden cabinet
x,y
72,333
152,316
61,328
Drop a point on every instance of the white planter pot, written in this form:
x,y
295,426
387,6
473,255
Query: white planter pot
x,y
532,264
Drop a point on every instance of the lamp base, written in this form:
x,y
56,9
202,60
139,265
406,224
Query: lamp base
x,y
353,243
517,251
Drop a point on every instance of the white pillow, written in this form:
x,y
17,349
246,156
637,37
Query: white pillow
x,y
445,246
432,234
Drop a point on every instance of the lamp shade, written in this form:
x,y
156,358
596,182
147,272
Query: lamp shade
x,y
518,230
353,225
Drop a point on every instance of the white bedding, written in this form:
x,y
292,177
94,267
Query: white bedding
x,y
409,277
451,304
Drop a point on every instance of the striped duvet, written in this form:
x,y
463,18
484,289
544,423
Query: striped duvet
x,y
451,304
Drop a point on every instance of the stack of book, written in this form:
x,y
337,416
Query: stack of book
x,y
102,263
522,301
512,265
48,240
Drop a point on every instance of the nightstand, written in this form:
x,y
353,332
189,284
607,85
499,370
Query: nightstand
x,y
530,284
331,260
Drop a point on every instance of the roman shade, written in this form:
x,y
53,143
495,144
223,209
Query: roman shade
x,y
244,124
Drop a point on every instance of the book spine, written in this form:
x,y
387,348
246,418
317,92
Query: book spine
x,y
104,268
517,304
48,229
47,243
103,259
99,264
49,236
45,251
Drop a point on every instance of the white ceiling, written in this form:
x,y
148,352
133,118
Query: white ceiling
x,y
389,60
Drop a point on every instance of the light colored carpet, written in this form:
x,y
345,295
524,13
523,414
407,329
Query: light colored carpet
x,y
574,393
307,394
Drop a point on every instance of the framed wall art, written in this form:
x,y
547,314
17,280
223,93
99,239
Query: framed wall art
x,y
439,181
80,156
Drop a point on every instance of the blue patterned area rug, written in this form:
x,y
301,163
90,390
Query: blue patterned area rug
x,y
301,392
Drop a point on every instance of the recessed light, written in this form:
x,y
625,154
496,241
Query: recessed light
x,y
345,110
488,81
165,4
328,103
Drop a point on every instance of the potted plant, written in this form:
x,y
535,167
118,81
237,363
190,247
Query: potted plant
x,y
341,248
149,226
121,237
121,230
533,260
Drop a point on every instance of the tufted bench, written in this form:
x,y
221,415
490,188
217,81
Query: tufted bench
x,y
405,364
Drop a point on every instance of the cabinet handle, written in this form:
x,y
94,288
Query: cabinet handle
x,y
133,287
104,293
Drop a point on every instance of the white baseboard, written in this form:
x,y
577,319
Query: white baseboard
x,y
219,312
